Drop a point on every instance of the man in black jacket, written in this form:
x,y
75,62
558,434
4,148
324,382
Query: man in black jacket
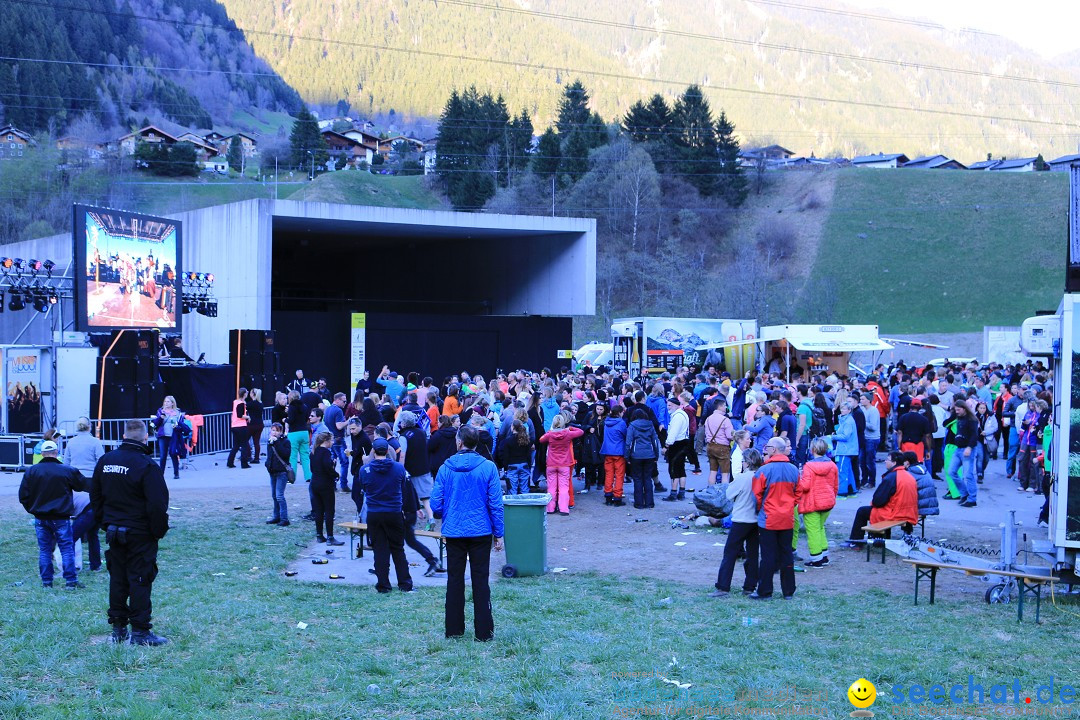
x,y
131,501
45,492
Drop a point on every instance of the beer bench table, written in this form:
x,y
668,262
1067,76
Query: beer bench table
x,y
880,528
1029,582
357,530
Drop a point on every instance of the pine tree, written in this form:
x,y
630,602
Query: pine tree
x,y
573,109
235,154
548,154
575,158
307,142
731,181
637,122
519,141
692,144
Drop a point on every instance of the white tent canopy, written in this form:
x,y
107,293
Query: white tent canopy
x,y
818,338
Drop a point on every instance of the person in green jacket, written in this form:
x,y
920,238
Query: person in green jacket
x,y
1048,478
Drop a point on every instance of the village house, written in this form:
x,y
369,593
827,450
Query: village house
x,y
341,146
880,160
934,162
1018,165
13,141
1063,163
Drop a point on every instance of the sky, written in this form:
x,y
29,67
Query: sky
x,y
1048,27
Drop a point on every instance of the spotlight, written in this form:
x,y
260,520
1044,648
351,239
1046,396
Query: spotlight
x,y
186,306
1,301
6,263
209,278
16,302
40,303
48,265
34,265
18,262
207,308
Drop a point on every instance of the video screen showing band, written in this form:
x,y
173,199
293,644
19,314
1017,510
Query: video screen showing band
x,y
131,270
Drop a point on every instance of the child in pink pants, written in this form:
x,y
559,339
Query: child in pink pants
x,y
560,462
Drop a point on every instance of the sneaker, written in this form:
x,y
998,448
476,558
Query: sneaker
x,y
657,487
147,637
565,514
430,526
813,564
320,538
584,491
74,586
334,541
432,568
309,517
1044,524
618,502
119,635
1030,490
969,503
719,594
670,498
823,562
345,489
697,471
284,523
754,596
1019,489
797,557
273,521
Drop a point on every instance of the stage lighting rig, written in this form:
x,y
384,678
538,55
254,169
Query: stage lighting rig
x,y
16,302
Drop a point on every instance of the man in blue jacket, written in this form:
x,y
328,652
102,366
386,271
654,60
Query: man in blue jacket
x,y
383,481
468,496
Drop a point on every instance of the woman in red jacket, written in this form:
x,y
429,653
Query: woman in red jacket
x,y
560,462
816,496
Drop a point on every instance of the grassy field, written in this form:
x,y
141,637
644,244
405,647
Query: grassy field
x,y
162,196
361,188
945,251
561,640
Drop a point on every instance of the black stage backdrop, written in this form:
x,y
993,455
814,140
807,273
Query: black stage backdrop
x,y
435,345
200,389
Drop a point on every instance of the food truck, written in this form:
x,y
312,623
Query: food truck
x,y
794,349
653,345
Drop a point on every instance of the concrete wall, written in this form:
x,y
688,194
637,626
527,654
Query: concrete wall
x,y
549,271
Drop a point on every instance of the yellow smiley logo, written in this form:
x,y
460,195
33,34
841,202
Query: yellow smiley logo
x,y
862,693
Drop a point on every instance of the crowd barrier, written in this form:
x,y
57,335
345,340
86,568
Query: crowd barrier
x,y
211,433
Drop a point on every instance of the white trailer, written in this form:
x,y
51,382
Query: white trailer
x,y
653,345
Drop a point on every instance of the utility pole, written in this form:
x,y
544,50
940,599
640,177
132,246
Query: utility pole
x,y
552,194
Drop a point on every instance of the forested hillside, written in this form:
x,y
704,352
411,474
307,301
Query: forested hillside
x,y
772,66
115,63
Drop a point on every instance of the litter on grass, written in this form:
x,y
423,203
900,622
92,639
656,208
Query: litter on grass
x,y
690,533
679,544
676,683
665,601
301,626
219,574
559,570
751,621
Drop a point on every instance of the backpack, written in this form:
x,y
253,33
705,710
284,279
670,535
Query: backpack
x,y
818,426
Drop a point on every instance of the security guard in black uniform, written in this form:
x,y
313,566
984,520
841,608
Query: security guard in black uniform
x,y
131,501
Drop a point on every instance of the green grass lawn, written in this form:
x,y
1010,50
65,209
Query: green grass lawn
x,y
560,640
164,196
360,188
945,251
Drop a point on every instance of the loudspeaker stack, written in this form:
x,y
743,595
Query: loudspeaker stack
x,y
253,352
129,376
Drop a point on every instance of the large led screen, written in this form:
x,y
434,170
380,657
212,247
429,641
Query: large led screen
x,y
128,270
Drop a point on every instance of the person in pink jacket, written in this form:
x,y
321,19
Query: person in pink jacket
x,y
560,462
815,496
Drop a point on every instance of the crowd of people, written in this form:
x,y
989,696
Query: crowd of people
x,y
409,450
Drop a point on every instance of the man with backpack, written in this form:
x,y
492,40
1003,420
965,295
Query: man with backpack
x,y
805,419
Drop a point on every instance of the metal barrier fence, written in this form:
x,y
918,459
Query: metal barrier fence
x,y
213,436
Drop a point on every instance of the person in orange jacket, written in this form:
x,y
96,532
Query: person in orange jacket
x,y
451,405
774,489
816,496
896,498
560,462
880,403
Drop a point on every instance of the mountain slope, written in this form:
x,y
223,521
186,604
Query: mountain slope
x,y
392,54
117,63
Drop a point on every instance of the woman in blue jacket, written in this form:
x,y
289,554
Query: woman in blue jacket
x,y
468,496
846,449
613,450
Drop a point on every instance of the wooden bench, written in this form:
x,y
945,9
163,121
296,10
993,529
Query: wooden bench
x,y
1029,582
357,530
881,528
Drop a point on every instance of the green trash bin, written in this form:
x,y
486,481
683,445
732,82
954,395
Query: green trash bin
x,y
525,518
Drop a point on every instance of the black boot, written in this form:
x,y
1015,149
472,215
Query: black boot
x,y
147,637
682,494
119,635
608,499
672,497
